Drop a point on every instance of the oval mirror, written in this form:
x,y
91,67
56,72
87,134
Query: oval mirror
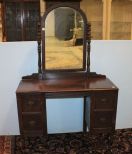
x,y
64,40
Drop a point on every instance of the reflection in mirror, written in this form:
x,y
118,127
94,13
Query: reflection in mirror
x,y
64,29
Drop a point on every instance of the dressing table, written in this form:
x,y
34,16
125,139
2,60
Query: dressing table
x,y
64,72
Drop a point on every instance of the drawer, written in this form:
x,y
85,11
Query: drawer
x,y
103,119
31,103
32,122
105,100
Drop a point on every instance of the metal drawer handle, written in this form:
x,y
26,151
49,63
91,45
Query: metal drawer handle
x,y
30,102
103,100
102,119
32,123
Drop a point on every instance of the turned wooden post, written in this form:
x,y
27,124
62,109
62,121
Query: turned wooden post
x,y
88,46
39,48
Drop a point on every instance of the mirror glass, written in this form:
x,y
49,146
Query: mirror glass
x,y
64,35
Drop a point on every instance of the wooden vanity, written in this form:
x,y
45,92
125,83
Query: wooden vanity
x,y
99,112
66,78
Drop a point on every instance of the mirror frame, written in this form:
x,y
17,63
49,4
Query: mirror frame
x,y
84,68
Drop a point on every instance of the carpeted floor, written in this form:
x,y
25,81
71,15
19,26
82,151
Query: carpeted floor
x,y
5,145
118,143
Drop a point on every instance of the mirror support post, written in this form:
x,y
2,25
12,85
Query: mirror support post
x,y
39,58
39,49
88,46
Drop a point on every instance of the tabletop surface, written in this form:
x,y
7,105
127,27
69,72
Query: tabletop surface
x,y
65,85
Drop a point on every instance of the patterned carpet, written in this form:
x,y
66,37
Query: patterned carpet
x,y
118,143
5,145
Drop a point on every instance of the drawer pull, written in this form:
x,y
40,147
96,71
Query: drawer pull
x,y
103,100
102,119
30,102
32,123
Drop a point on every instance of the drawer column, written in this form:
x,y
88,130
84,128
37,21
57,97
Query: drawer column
x,y
32,114
103,111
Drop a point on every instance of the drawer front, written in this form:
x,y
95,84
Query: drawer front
x,y
103,119
105,100
32,122
31,103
